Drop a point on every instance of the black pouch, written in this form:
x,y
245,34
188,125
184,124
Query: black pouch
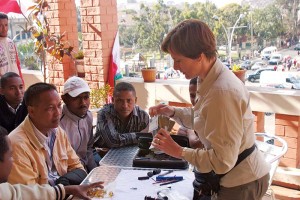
x,y
74,177
205,184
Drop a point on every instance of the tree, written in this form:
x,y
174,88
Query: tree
x,y
128,35
289,12
264,24
152,25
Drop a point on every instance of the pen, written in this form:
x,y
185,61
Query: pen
x,y
170,182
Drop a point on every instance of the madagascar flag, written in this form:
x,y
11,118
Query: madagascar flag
x,y
7,6
114,62
16,6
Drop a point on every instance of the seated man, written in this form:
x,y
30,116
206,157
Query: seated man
x,y
193,137
12,106
20,191
77,120
118,122
41,150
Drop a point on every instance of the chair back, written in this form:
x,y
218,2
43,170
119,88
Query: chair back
x,y
273,148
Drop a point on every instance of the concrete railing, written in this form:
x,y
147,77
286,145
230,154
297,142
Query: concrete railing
x,y
284,103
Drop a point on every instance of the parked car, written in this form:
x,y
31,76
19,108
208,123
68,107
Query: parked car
x,y
275,59
258,65
256,75
297,47
247,64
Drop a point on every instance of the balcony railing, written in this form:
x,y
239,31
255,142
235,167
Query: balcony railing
x,y
284,103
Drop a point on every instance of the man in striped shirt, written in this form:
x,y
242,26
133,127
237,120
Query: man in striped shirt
x,y
118,122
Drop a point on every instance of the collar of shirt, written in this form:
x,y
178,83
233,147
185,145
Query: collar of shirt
x,y
73,117
214,72
12,109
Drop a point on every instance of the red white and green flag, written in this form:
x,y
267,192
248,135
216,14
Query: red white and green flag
x,y
16,6
114,67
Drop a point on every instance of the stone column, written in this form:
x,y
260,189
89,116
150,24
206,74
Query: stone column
x,y
62,18
99,27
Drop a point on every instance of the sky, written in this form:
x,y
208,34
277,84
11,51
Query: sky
x,y
219,3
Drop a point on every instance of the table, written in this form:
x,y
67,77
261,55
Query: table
x,y
122,157
125,186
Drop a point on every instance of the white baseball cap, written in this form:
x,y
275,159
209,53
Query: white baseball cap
x,y
74,86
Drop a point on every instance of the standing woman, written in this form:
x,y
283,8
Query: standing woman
x,y
222,117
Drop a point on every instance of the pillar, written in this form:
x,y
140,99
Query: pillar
x,y
99,27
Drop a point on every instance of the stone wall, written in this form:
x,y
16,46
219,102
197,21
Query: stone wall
x,y
288,128
99,27
62,19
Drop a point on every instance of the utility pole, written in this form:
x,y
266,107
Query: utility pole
x,y
229,34
251,29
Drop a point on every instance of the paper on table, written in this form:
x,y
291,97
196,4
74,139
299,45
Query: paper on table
x,y
128,187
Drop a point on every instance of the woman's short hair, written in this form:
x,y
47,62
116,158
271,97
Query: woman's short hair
x,y
191,38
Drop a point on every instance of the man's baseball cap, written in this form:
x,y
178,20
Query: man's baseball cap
x,y
74,86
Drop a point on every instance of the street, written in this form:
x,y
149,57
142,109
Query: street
x,y
285,52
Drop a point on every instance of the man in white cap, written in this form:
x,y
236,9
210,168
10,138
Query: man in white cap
x,y
77,120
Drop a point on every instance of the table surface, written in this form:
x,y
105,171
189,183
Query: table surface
x,y
122,157
109,174
119,159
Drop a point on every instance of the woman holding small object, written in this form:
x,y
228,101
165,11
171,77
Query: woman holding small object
x,y
223,120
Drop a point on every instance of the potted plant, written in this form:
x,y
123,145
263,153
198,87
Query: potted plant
x,y
239,72
79,63
148,73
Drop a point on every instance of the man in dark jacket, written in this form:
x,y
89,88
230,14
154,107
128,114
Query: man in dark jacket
x,y
12,107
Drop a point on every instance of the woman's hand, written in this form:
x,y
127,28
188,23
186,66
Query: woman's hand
x,y
162,109
164,142
81,190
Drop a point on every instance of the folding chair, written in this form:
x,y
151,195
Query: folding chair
x,y
273,148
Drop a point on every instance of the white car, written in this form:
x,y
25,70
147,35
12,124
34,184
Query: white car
x,y
258,65
275,59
